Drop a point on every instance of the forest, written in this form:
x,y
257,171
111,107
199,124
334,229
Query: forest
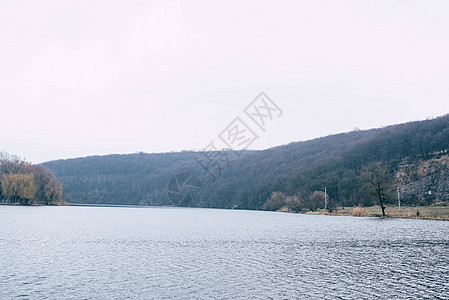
x,y
26,184
292,174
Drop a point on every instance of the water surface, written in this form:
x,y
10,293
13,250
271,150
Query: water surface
x,y
183,253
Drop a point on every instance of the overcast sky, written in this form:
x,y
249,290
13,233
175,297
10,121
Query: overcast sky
x,y
82,78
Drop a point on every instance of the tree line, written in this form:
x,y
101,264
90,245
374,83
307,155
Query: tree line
x,y
376,181
26,184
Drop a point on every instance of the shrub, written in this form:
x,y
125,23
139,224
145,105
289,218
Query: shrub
x,y
359,212
275,202
294,203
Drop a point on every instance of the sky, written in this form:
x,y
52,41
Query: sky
x,y
81,78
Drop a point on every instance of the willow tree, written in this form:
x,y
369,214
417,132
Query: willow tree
x,y
27,183
19,187
378,180
53,192
49,189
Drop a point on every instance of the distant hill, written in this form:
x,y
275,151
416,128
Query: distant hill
x,y
248,180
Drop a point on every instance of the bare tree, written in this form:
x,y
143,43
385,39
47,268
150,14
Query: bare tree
x,y
316,200
294,203
275,202
378,180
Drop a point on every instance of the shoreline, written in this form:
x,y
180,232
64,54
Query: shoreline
x,y
34,204
437,213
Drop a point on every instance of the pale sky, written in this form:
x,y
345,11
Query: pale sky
x,y
82,78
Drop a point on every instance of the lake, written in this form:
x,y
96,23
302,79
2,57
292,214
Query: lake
x,y
189,253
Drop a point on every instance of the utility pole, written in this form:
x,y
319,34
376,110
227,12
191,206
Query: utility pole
x,y
325,197
399,198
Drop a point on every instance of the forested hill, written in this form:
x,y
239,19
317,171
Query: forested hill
x,y
247,180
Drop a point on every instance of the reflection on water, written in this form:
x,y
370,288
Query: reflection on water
x,y
182,253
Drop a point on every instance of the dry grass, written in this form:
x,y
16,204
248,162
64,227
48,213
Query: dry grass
x,y
409,212
359,212
418,212
284,209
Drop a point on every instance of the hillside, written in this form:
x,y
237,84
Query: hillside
x,y
247,180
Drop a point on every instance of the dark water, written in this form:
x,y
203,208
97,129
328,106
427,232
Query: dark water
x,y
175,253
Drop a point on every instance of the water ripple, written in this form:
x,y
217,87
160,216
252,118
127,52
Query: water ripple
x,y
163,253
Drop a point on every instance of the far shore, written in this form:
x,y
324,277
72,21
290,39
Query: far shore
x,y
440,213
34,204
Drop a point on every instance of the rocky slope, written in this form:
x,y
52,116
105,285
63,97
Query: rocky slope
x,y
424,182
